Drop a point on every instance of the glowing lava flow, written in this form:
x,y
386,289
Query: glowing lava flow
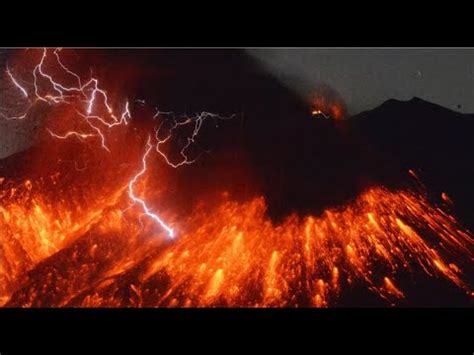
x,y
140,201
235,256
75,247
232,254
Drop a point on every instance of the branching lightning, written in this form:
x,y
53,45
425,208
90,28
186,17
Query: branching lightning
x,y
85,98
228,253
196,123
141,202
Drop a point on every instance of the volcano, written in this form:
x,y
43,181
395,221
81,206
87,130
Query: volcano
x,y
278,208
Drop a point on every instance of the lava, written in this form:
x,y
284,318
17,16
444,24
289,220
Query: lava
x,y
94,236
326,103
82,99
232,254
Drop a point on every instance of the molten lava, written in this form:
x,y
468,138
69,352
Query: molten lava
x,y
228,253
89,237
327,104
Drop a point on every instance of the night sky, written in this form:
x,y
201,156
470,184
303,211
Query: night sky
x,y
365,78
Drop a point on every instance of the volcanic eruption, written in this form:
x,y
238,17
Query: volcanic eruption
x,y
247,201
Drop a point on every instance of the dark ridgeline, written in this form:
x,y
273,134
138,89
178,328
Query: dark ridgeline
x,y
435,142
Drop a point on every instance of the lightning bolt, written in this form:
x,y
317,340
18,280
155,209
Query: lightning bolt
x,y
90,95
196,123
15,82
131,193
87,94
70,134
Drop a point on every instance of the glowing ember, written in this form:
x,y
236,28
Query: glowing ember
x,y
237,257
233,255
327,105
65,242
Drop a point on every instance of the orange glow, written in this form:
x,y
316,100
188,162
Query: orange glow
x,y
328,108
446,198
228,255
392,289
72,235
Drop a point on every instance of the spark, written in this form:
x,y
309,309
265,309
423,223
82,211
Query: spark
x,y
445,197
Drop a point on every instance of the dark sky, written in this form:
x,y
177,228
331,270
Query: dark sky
x,y
367,77
364,78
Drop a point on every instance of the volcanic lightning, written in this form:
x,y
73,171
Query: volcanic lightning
x,y
66,240
196,123
87,94
140,201
22,89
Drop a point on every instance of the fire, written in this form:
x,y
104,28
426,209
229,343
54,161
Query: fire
x,y
327,103
235,256
231,254
35,227
98,235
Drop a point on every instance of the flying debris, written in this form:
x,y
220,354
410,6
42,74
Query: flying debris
x,y
107,209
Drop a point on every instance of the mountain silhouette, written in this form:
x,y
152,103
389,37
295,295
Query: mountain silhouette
x,y
431,140
275,147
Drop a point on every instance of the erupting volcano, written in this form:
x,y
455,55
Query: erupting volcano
x,y
123,203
